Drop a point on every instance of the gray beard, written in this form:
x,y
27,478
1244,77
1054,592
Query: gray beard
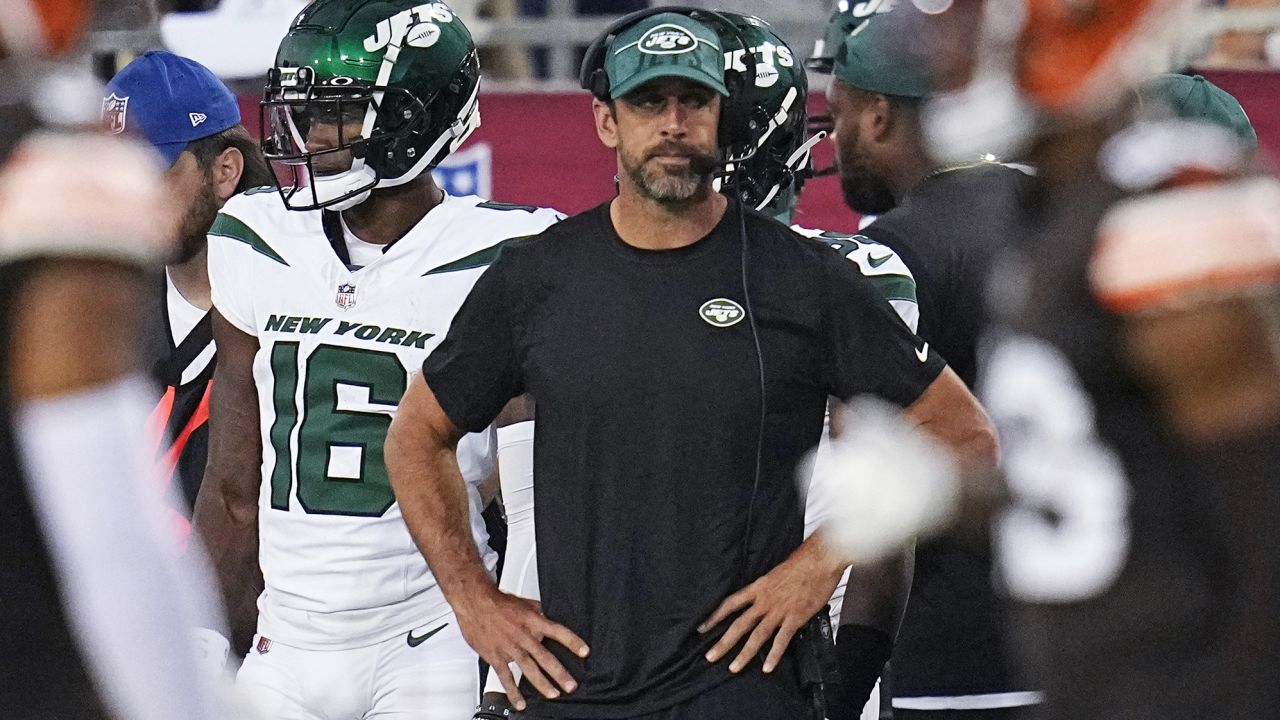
x,y
664,187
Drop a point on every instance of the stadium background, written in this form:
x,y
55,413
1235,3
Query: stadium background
x,y
539,148
536,144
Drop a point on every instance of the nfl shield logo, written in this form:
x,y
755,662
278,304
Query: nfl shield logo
x,y
264,645
346,296
113,111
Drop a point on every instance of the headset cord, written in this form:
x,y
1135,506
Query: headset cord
x,y
755,337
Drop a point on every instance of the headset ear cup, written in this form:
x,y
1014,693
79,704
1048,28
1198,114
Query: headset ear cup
x,y
599,85
592,63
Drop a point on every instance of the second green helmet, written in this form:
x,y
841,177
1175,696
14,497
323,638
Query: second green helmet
x,y
775,163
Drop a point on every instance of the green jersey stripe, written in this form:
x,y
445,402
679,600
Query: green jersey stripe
x,y
894,287
230,227
479,258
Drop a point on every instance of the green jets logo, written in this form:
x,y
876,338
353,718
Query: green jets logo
x,y
722,312
668,39
415,27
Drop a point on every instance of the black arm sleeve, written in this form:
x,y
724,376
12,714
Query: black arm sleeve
x,y
861,653
871,349
476,370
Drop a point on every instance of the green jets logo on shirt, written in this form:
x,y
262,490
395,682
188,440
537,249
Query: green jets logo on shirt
x,y
722,312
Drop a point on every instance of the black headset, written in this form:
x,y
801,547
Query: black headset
x,y
739,123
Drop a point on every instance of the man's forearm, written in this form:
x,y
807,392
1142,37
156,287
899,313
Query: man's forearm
x,y
877,594
950,414
225,519
433,500
873,605
225,516
228,528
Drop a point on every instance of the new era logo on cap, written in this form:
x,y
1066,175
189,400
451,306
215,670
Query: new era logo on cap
x,y
197,118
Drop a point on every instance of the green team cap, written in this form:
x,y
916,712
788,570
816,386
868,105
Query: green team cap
x,y
871,53
1193,98
664,45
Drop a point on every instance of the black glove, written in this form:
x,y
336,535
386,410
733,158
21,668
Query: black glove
x,y
494,706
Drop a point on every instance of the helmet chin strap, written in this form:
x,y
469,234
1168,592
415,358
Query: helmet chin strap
x,y
359,181
798,160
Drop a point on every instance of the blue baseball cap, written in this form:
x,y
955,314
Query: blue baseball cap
x,y
168,100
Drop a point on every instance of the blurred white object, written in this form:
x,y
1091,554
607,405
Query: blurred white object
x,y
129,601
887,482
236,40
1172,249
120,209
1271,49
211,650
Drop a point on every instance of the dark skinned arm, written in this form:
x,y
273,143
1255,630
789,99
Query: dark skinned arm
x,y
948,412
226,510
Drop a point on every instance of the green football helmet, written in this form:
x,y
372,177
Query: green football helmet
x,y
405,71
842,22
768,176
822,60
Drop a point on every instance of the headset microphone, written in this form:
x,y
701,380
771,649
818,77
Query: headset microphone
x,y
701,164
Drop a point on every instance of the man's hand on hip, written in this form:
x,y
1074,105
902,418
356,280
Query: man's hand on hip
x,y
504,629
776,605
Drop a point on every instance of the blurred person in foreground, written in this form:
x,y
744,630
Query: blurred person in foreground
x,y
948,221
1134,375
185,113
95,610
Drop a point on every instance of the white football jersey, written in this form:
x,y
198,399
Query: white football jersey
x,y
882,266
336,349
879,264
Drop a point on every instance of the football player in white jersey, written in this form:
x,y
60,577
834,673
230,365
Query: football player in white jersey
x,y
770,180
323,306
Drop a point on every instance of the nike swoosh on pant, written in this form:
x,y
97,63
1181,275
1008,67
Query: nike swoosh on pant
x,y
415,641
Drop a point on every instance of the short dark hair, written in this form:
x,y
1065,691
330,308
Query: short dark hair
x,y
256,170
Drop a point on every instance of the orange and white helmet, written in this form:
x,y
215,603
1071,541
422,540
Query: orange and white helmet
x,y
42,27
1032,63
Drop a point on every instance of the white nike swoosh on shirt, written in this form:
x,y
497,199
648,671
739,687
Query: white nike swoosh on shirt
x,y
923,352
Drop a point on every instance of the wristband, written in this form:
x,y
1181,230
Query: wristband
x,y
493,706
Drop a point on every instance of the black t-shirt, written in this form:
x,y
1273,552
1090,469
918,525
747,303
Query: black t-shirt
x,y
1148,580
644,368
949,231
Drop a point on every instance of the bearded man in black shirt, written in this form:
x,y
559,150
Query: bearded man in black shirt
x,y
681,350
948,222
